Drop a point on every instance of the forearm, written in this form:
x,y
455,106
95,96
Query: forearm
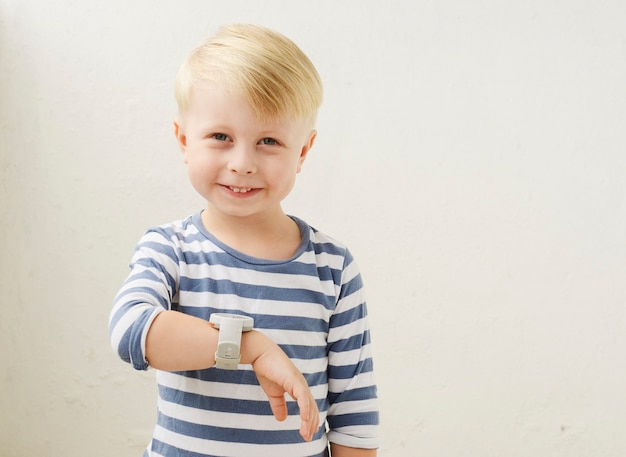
x,y
180,342
336,450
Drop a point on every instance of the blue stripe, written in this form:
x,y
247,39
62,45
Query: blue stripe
x,y
350,371
363,393
350,420
262,321
225,259
228,405
326,273
330,248
348,317
304,352
233,435
129,347
354,285
164,248
352,343
208,403
244,376
165,449
143,290
149,274
304,324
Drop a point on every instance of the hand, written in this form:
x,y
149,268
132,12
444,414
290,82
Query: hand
x,y
277,375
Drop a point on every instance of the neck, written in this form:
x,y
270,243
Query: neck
x,y
272,237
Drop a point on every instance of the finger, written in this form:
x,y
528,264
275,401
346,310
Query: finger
x,y
279,407
304,406
309,415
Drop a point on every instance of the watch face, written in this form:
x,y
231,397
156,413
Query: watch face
x,y
247,323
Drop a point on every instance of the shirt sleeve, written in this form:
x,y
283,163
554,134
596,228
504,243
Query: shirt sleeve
x,y
147,291
353,416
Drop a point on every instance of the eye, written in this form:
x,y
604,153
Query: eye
x,y
220,137
269,141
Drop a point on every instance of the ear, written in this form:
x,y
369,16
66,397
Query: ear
x,y
181,138
306,148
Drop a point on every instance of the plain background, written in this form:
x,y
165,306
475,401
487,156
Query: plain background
x,y
470,153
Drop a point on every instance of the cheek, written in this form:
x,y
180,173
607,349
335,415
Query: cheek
x,y
199,161
292,167
199,168
288,178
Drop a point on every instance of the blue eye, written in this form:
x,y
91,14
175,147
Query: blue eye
x,y
220,137
269,141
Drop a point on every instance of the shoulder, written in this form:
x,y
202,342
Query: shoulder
x,y
317,236
183,230
324,245
172,238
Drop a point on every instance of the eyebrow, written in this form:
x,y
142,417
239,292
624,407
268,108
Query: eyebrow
x,y
213,128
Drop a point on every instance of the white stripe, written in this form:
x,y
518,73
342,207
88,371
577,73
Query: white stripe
x,y
364,436
148,252
225,449
342,359
352,407
296,337
341,385
229,302
233,419
351,301
200,387
350,272
221,389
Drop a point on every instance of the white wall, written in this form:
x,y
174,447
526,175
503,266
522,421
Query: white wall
x,y
471,154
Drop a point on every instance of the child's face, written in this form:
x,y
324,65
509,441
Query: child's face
x,y
241,165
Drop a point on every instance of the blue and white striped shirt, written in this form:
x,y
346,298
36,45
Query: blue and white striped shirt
x,y
311,305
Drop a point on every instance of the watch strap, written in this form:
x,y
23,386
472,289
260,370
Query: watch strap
x,y
231,327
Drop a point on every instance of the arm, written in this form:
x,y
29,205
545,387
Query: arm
x,y
337,450
178,342
144,332
353,411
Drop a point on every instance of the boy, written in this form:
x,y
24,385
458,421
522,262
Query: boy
x,y
247,100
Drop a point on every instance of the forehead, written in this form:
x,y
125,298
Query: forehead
x,y
209,98
212,105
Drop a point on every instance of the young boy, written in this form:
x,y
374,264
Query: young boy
x,y
247,100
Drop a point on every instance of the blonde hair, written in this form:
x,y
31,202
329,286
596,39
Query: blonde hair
x,y
268,69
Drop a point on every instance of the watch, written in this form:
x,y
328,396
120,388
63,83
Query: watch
x,y
230,326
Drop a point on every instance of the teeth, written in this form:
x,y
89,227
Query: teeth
x,y
241,190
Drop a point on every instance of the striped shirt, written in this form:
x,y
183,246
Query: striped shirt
x,y
312,305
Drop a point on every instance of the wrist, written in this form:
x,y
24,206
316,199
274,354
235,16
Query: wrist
x,y
253,345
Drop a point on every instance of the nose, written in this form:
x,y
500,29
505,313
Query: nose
x,y
241,161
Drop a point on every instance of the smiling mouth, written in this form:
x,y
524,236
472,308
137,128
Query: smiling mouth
x,y
240,190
